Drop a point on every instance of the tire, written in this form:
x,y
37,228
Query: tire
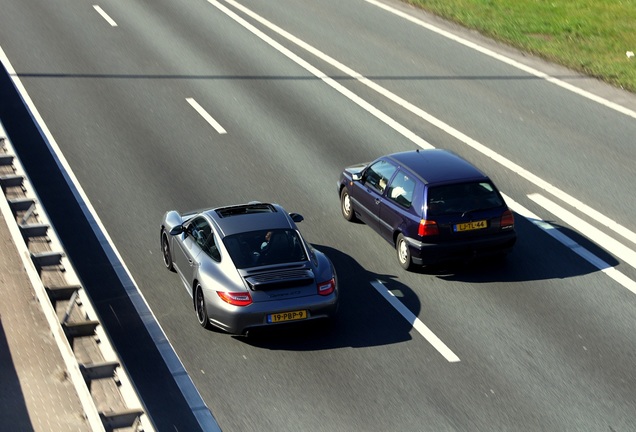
x,y
345,205
403,253
200,309
165,251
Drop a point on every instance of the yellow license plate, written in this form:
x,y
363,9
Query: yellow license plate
x,y
470,226
287,316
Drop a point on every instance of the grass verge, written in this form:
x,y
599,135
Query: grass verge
x,y
590,36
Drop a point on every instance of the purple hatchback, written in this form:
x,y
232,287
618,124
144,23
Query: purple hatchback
x,y
432,205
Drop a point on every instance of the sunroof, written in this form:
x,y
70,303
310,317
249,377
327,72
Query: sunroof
x,y
245,209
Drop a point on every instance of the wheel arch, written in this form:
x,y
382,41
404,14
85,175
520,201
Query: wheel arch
x,y
195,282
340,188
396,233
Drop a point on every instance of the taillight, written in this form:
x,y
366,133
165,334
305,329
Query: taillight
x,y
507,219
427,228
326,288
236,298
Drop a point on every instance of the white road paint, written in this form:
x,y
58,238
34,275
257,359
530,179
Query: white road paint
x,y
555,233
505,59
184,382
322,76
507,163
73,372
522,172
415,321
104,15
208,118
417,324
588,230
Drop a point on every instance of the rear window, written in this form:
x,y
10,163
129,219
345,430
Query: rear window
x,y
265,247
245,209
463,198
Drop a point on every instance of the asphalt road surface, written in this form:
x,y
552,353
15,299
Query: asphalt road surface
x,y
159,105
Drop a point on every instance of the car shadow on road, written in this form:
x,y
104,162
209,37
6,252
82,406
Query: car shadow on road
x,y
536,256
364,317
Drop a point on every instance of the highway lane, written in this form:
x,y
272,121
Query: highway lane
x,y
499,104
544,342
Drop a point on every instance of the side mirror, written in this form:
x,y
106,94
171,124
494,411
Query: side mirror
x,y
296,217
177,230
356,176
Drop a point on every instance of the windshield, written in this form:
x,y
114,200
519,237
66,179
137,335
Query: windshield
x,y
265,247
463,198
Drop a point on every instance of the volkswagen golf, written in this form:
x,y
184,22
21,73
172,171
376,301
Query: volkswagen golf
x,y
431,205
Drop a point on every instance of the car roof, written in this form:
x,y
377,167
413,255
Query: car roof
x,y
437,166
249,217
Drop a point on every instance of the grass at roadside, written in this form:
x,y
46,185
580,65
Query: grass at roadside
x,y
590,36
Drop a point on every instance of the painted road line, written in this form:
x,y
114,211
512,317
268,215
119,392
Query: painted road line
x,y
190,392
460,136
408,134
588,256
104,15
599,217
588,230
415,322
506,60
208,118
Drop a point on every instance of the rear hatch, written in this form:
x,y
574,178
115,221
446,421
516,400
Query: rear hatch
x,y
465,211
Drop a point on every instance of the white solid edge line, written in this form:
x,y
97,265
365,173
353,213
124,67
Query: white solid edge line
x,y
70,360
104,15
588,230
512,166
506,60
599,217
207,117
327,80
549,229
191,394
415,322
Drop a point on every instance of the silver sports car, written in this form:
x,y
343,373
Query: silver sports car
x,y
247,266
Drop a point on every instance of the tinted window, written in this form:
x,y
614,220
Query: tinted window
x,y
201,232
211,248
265,247
402,189
378,175
463,197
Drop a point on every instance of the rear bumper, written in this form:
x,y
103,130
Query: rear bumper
x,y
435,253
237,320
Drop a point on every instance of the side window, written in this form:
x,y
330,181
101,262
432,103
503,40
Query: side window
x,y
201,232
378,175
402,189
212,249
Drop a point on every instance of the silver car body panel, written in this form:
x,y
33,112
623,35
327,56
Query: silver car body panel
x,y
285,287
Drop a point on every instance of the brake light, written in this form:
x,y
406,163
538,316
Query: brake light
x,y
236,298
427,228
507,219
326,288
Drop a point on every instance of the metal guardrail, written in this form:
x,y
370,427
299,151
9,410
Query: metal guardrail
x,y
109,400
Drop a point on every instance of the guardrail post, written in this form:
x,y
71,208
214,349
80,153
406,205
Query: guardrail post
x,y
11,180
46,259
121,419
21,204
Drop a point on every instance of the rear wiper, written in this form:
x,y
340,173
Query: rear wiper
x,y
470,211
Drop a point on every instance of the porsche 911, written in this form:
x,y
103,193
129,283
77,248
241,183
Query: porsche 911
x,y
248,266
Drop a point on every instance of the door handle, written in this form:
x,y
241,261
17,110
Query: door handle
x,y
377,200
